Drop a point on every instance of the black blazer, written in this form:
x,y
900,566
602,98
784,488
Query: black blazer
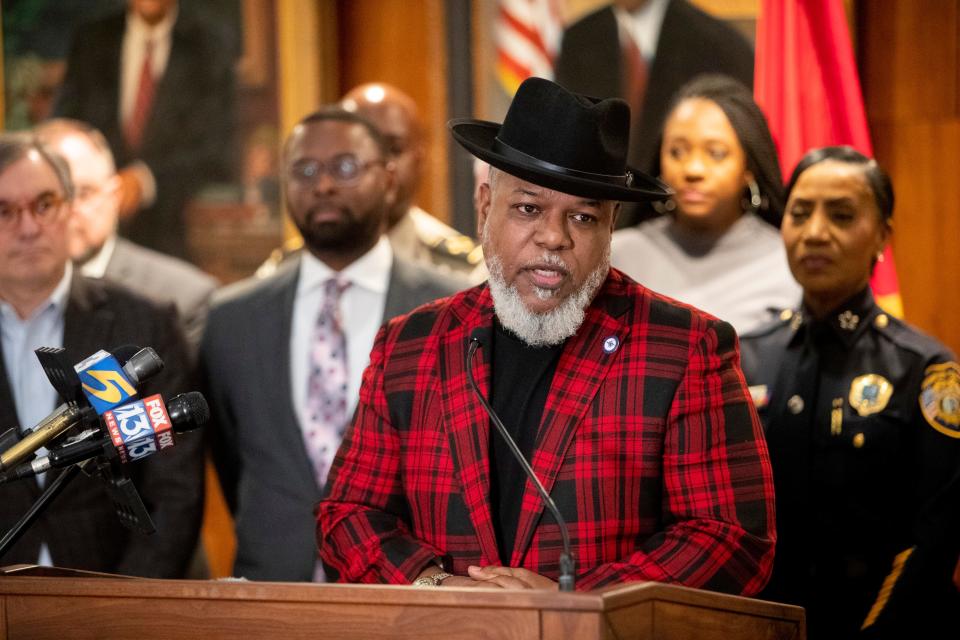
x,y
188,140
80,526
691,42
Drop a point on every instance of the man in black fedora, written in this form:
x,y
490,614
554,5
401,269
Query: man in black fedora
x,y
631,408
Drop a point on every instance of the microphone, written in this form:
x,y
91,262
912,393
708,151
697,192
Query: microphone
x,y
567,564
142,429
91,387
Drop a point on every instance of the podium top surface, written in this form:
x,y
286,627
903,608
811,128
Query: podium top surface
x,y
25,581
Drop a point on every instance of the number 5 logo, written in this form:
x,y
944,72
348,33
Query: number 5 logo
x,y
114,386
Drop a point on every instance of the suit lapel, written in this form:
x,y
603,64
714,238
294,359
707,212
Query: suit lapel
x,y
397,292
582,368
272,355
8,411
466,422
87,323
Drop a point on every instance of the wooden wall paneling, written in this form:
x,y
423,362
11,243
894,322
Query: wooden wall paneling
x,y
910,75
909,58
402,42
922,158
3,87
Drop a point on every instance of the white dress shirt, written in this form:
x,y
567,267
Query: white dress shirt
x,y
361,312
643,25
96,266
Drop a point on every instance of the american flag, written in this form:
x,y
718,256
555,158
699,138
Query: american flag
x,y
528,34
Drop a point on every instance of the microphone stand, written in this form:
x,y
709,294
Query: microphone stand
x,y
52,491
566,557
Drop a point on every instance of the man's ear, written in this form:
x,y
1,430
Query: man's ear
x,y
390,183
616,213
111,191
482,204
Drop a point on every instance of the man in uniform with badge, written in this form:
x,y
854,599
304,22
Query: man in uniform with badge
x,y
862,418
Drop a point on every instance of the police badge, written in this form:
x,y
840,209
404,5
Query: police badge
x,y
940,398
870,393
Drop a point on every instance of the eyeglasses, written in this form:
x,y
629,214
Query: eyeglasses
x,y
45,208
345,169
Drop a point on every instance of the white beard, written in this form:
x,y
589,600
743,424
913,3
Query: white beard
x,y
551,327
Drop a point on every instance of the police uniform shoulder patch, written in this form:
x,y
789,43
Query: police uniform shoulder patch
x,y
870,393
940,398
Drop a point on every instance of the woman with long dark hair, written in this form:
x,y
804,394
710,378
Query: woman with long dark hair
x,y
717,246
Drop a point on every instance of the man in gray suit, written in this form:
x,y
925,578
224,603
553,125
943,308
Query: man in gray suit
x,y
282,357
94,243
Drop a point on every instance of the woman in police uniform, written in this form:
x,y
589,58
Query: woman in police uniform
x,y
862,417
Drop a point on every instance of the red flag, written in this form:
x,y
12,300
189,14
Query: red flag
x,y
807,83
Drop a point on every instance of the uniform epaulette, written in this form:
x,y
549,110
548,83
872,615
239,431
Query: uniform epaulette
x,y
905,336
460,247
290,248
786,317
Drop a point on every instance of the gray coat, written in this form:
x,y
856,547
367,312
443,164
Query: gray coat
x,y
164,279
257,442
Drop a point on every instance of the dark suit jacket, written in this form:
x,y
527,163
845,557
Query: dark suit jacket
x,y
648,444
691,42
188,139
80,526
164,279
258,447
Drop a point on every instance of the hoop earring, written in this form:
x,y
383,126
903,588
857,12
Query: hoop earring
x,y
755,198
665,206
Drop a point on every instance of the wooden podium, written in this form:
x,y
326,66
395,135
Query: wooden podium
x,y
38,603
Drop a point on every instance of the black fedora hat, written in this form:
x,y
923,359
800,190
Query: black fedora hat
x,y
562,141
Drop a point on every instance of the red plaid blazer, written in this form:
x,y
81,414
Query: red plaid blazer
x,y
653,453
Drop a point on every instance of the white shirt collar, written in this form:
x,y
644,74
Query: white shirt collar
x,y
644,25
57,299
371,271
96,266
142,31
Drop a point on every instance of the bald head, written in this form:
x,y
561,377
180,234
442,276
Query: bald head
x,y
395,114
96,206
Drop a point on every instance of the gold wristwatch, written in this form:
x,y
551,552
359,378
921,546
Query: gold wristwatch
x,y
432,580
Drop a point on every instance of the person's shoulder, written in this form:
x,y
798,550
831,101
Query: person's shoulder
x,y
699,22
657,308
241,297
443,241
910,339
591,21
92,294
645,232
163,268
435,315
112,23
424,280
774,330
642,250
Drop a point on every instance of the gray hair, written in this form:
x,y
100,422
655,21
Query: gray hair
x,y
17,146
